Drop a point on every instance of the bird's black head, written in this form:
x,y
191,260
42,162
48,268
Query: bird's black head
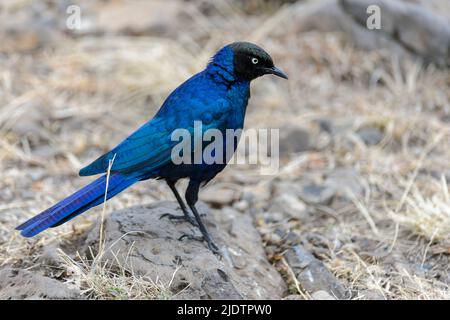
x,y
251,61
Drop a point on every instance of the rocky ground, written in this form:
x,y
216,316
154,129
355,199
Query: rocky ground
x,y
360,208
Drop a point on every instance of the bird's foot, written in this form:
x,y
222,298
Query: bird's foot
x,y
211,245
177,217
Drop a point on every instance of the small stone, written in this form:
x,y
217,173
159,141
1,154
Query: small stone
x,y
271,216
248,196
316,194
312,274
218,197
370,135
292,238
325,125
273,238
293,140
286,200
241,205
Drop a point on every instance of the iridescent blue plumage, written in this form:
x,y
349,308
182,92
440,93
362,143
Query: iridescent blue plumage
x,y
217,97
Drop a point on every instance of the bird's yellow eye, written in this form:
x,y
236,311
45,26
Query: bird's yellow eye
x,y
254,60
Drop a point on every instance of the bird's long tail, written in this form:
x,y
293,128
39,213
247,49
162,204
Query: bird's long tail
x,y
89,196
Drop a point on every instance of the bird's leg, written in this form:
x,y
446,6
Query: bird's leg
x,y
186,216
191,198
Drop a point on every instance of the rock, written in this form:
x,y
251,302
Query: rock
x,y
241,205
406,29
243,272
286,200
441,7
417,29
322,295
370,135
289,205
293,140
317,194
312,274
273,238
22,284
218,286
274,215
293,238
218,197
328,16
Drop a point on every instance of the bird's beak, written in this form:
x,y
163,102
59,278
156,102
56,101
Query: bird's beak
x,y
277,72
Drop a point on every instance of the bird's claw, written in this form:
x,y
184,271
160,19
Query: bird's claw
x,y
211,245
179,217
191,237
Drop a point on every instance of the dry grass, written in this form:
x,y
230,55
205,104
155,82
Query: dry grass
x,y
101,278
427,211
62,106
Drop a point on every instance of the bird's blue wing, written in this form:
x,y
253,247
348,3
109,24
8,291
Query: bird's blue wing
x,y
150,147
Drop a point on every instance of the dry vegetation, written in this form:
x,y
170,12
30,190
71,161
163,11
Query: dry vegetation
x,y
64,104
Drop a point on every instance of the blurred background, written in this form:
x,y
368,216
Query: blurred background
x,y
364,125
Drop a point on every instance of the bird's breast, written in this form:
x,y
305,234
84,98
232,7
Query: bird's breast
x,y
238,96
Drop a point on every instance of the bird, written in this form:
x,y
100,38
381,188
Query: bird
x,y
217,97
